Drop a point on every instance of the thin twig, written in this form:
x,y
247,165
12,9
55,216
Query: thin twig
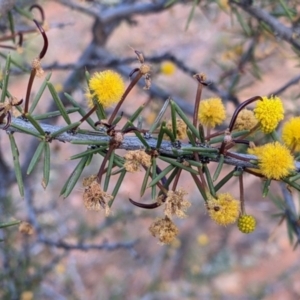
x,y
278,28
85,247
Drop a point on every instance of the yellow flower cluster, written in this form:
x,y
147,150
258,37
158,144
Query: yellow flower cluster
x,y
246,223
108,88
233,53
245,120
275,161
269,112
26,228
224,4
211,112
291,134
224,210
167,68
27,295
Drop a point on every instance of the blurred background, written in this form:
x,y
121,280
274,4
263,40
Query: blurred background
x,y
77,254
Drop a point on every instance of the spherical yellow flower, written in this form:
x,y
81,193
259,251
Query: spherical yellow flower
x,y
246,223
275,160
211,112
291,134
224,4
167,68
58,87
224,210
245,120
203,239
108,87
27,295
269,112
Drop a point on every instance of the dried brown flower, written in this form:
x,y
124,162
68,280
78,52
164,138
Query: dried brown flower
x,y
46,26
88,180
26,228
36,64
160,199
94,198
181,128
201,76
147,81
136,158
227,136
119,137
20,49
145,69
8,105
186,163
164,229
176,204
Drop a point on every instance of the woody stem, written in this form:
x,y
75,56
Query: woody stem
x,y
129,88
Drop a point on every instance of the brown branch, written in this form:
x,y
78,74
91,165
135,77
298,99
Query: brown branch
x,y
278,28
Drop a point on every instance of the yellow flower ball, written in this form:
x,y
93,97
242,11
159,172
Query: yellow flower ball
x,y
275,160
224,210
58,87
224,4
107,86
167,68
245,120
202,239
291,134
211,112
269,112
246,223
26,295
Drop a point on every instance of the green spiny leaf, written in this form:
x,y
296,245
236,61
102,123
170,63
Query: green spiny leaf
x,y
186,120
35,124
35,158
39,93
46,170
109,170
73,178
144,183
64,129
162,174
135,115
117,187
178,164
58,102
5,79
8,224
16,161
81,111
